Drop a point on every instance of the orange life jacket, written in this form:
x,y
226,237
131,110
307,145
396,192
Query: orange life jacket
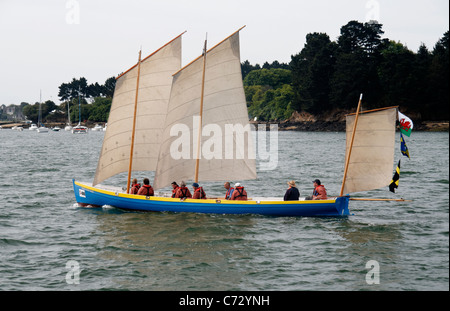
x,y
184,191
174,191
202,193
320,190
149,190
241,194
137,187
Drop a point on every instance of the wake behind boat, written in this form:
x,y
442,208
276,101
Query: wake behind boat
x,y
155,98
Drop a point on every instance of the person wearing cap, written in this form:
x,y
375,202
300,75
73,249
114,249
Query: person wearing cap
x,y
239,193
146,189
319,192
175,189
183,191
134,186
198,192
229,190
292,194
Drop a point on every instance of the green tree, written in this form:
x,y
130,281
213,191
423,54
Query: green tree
x,y
109,86
74,110
437,109
396,75
99,110
31,112
73,89
271,104
246,68
357,59
268,77
312,69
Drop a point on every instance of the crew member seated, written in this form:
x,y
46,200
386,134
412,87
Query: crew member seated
x,y
183,191
146,189
199,193
239,193
319,192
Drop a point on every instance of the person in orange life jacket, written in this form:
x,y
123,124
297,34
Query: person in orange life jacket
x,y
183,191
319,192
134,186
175,189
239,193
146,189
292,194
229,190
199,193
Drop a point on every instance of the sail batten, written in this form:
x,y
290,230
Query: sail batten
x,y
155,79
372,155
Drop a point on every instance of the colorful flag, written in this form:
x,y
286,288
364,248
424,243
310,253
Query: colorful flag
x,y
403,147
395,179
406,125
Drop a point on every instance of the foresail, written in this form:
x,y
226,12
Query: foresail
x,y
372,157
155,82
226,152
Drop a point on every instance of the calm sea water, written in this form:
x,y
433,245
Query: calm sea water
x,y
45,238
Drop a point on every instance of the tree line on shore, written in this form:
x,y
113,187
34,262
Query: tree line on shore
x,y
324,77
95,101
328,76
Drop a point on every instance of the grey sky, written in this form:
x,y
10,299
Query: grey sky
x,y
47,42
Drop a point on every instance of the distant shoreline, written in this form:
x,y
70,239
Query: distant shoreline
x,y
301,126
339,126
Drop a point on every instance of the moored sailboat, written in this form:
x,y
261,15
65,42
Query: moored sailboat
x,y
68,126
201,95
41,127
79,129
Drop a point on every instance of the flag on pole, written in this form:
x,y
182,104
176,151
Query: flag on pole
x,y
403,147
395,179
406,124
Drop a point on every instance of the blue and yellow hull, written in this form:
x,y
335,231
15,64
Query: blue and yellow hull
x,y
87,195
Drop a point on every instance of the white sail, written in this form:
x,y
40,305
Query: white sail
x,y
371,160
155,82
226,142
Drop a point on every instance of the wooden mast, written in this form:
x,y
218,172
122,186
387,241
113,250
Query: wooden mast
x,y
134,124
197,161
351,146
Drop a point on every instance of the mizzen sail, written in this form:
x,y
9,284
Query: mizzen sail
x,y
155,81
372,156
226,144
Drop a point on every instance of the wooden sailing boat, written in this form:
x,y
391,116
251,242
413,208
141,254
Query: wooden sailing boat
x,y
149,104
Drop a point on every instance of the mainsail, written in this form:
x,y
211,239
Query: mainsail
x,y
227,151
155,81
372,156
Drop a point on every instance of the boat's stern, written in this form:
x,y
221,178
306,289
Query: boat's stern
x,y
342,205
